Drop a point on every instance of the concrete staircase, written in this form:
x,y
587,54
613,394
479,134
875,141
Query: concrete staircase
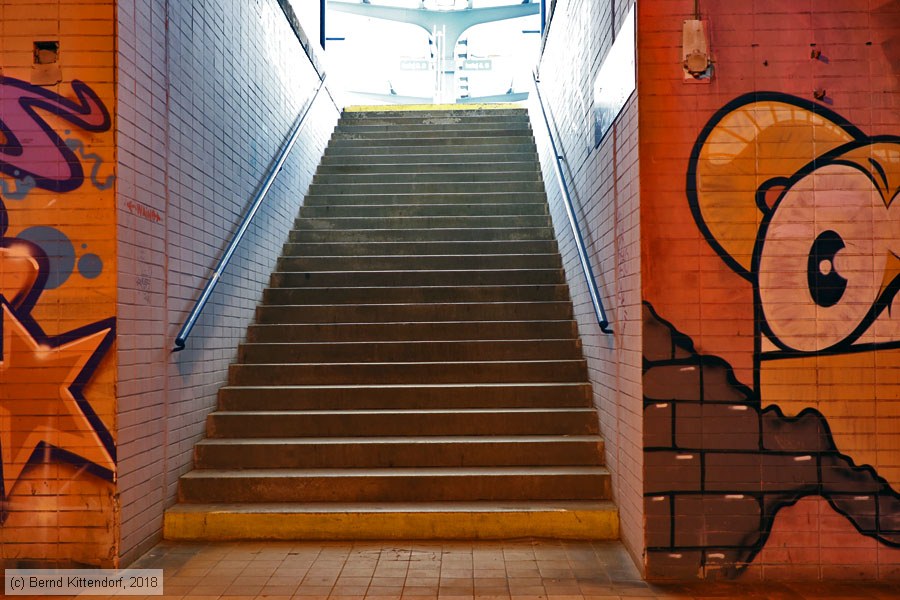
x,y
414,370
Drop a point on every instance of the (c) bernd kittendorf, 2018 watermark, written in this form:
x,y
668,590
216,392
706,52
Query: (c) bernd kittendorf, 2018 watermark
x,y
83,582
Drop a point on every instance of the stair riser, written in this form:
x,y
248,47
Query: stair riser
x,y
488,234
420,248
420,176
473,222
537,311
481,197
452,167
497,151
388,423
357,140
399,397
436,187
496,128
211,455
450,157
434,332
412,351
434,117
406,373
423,210
413,278
396,488
419,263
567,520
396,295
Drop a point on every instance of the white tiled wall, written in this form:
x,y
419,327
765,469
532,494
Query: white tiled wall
x,y
207,92
605,190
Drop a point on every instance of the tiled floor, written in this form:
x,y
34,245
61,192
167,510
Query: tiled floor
x,y
512,570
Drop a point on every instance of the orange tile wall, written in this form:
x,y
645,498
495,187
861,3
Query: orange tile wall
x,y
805,97
57,281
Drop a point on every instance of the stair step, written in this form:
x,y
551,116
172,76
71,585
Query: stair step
x,y
435,116
417,278
420,248
448,157
497,371
423,210
392,521
395,485
386,452
413,332
490,197
402,422
496,128
454,234
367,168
445,222
421,176
430,351
445,186
429,262
385,397
493,150
382,313
418,294
398,140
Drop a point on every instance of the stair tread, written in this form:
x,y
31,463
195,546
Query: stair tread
x,y
394,472
406,385
439,303
399,439
406,411
395,363
387,507
407,342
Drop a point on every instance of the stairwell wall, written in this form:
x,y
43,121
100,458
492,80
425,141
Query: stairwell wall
x,y
57,284
207,93
603,181
772,381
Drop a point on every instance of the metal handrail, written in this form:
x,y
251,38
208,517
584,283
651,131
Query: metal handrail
x,y
181,338
573,220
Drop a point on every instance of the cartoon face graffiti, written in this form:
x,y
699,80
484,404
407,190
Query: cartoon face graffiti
x,y
801,203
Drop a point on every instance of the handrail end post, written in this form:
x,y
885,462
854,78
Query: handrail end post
x,y
604,327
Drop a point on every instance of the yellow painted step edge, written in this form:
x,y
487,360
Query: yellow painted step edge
x,y
224,525
414,107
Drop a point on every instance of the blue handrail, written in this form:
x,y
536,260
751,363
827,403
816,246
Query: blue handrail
x,y
573,220
181,338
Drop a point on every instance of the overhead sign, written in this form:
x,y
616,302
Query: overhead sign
x,y
415,64
477,64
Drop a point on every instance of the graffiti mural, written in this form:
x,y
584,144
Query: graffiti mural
x,y
799,203
32,151
57,324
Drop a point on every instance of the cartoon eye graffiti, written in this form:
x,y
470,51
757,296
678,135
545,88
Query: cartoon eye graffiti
x,y
820,239
826,286
822,259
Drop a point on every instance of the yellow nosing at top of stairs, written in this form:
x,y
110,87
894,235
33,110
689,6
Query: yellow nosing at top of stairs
x,y
414,107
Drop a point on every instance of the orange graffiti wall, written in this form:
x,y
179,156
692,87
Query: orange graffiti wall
x,y
771,265
57,283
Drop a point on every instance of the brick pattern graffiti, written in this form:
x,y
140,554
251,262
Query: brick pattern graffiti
x,y
719,466
798,202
